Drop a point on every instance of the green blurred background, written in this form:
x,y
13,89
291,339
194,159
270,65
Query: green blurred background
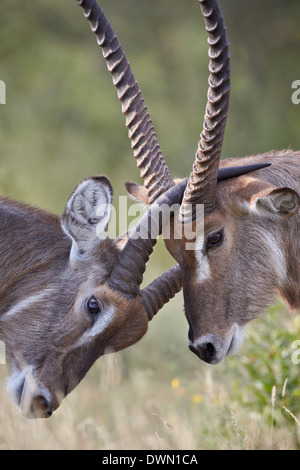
x,y
62,122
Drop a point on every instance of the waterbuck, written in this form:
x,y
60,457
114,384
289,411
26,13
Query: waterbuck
x,y
69,294
248,249
153,168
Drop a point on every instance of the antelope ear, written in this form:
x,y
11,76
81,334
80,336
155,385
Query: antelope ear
x,y
140,193
280,202
261,198
87,214
137,192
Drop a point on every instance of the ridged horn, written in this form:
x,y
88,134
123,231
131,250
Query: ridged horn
x,y
160,291
202,182
150,161
127,275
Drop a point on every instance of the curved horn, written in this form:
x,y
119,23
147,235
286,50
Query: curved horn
x,y
235,171
160,291
127,275
153,168
202,182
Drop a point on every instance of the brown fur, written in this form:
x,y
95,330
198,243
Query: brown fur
x,y
244,271
43,336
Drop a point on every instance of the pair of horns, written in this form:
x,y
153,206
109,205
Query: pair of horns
x,y
200,187
127,275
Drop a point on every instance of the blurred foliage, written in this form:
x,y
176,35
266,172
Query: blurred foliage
x,y
157,395
268,364
62,122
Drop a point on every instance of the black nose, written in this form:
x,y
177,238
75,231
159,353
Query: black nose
x,y
206,352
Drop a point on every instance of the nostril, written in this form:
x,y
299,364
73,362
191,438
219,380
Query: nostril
x,y
205,351
209,350
212,348
41,405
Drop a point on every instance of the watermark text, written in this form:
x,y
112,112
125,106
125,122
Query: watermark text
x,y
2,92
2,353
159,219
296,93
296,354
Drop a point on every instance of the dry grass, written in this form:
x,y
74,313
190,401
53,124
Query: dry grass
x,y
140,414
156,395
61,123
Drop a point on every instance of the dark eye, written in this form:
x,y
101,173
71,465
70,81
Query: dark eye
x,y
94,306
215,238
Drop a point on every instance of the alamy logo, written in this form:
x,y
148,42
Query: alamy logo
x,y
2,352
2,92
154,222
296,94
296,354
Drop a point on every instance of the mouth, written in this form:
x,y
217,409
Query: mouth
x,y
231,349
33,400
236,340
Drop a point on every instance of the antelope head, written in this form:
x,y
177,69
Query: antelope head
x,y
236,262
69,294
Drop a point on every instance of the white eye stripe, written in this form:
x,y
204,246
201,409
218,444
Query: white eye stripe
x,y
102,322
203,272
27,302
277,256
203,269
199,245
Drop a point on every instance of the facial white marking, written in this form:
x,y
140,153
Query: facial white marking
x,y
23,387
26,303
102,322
276,256
237,339
245,206
203,269
15,384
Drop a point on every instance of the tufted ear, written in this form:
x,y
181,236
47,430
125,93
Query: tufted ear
x,y
86,216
